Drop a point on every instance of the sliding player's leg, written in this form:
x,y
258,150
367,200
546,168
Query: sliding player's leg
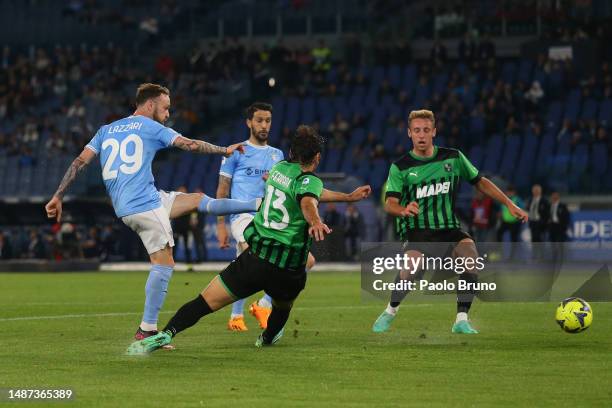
x,y
383,322
466,248
262,308
284,286
241,278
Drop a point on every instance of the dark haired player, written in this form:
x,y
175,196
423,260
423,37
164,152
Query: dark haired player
x,y
421,191
127,148
279,238
240,177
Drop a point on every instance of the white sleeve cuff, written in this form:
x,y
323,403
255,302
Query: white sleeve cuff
x,y
173,139
90,147
222,173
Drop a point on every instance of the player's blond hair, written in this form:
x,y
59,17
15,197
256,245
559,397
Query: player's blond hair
x,y
422,114
148,91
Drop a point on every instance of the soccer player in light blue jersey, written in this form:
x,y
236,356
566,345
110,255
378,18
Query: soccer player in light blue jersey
x,y
242,177
127,148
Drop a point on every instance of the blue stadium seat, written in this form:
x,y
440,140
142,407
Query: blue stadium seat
x,y
477,125
439,83
553,117
476,156
599,159
508,72
493,154
589,109
308,110
292,116
526,160
409,77
421,94
605,113
394,76
525,70
390,139
356,137
378,74
509,159
572,105
379,172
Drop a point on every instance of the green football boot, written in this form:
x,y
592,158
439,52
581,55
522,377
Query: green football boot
x,y
463,327
260,341
383,322
149,344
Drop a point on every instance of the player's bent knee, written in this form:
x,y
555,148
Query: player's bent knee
x,y
282,304
310,262
163,257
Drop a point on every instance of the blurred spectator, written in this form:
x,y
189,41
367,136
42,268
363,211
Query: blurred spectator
x,y
539,210
535,94
69,244
467,48
566,130
6,249
76,110
332,217
36,247
486,48
438,54
322,57
197,225
508,222
353,225
181,229
92,245
559,218
482,207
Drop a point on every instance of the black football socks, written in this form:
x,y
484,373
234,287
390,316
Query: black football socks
x,y
188,315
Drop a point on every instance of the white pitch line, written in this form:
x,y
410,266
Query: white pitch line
x,y
79,316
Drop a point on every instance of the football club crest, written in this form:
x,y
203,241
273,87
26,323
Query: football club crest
x,y
448,167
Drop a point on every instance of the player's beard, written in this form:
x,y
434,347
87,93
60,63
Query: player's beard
x,y
159,118
261,137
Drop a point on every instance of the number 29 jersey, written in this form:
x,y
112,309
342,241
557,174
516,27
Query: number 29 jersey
x,y
279,231
127,148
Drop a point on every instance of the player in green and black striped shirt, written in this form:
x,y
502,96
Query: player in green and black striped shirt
x,y
421,192
279,239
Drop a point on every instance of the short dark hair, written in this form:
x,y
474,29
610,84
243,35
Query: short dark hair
x,y
148,91
257,106
305,145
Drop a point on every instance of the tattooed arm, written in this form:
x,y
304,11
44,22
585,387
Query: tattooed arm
x,y
199,146
54,206
223,190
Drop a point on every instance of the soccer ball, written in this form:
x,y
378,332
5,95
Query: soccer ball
x,y
574,315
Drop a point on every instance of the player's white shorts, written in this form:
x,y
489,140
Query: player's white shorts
x,y
153,226
238,226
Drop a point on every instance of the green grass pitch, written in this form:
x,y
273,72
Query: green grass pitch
x,y
328,357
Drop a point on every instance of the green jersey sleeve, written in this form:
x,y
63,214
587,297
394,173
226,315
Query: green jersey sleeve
x,y
467,170
394,182
308,185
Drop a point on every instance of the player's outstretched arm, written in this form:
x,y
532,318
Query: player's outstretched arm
x,y
360,193
54,206
223,189
317,229
488,188
393,207
200,146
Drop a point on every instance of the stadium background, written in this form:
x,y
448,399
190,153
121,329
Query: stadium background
x,y
354,69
